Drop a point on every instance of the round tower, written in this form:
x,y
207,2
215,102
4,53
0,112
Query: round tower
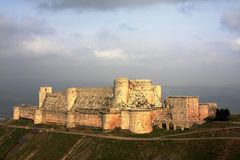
x,y
121,90
140,121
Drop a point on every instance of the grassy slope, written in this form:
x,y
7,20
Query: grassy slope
x,y
10,139
36,145
23,144
235,118
41,146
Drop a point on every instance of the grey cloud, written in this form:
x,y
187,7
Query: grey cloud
x,y
105,37
126,27
100,4
187,8
105,34
231,20
15,30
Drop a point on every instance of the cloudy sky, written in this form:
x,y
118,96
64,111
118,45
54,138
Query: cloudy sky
x,y
90,42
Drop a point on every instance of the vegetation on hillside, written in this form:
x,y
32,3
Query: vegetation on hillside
x,y
35,145
222,114
21,144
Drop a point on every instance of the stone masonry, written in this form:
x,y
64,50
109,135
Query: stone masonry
x,y
135,105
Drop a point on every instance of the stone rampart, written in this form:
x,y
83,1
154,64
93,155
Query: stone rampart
x,y
71,120
178,108
56,117
92,120
38,117
145,87
212,108
16,113
43,91
193,105
111,121
89,92
140,121
127,91
135,105
203,111
71,96
184,108
24,111
124,119
121,90
55,102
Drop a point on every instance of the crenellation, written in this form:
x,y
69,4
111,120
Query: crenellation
x,y
136,105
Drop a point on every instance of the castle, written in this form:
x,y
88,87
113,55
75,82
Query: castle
x,y
136,105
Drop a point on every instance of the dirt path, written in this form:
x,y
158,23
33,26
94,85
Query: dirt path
x,y
161,138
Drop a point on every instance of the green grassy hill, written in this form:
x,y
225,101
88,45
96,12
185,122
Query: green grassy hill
x,y
41,145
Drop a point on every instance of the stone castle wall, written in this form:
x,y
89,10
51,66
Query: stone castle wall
x,y
125,120
85,94
111,121
184,108
135,105
203,111
93,120
71,96
42,94
97,92
121,90
179,108
193,113
140,121
126,91
55,117
212,108
24,112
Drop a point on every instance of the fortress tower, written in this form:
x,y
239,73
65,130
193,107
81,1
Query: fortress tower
x,y
121,90
71,96
42,94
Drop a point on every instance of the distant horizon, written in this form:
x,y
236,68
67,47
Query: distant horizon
x,y
225,96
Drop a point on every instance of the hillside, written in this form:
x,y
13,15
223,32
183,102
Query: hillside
x,y
17,143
